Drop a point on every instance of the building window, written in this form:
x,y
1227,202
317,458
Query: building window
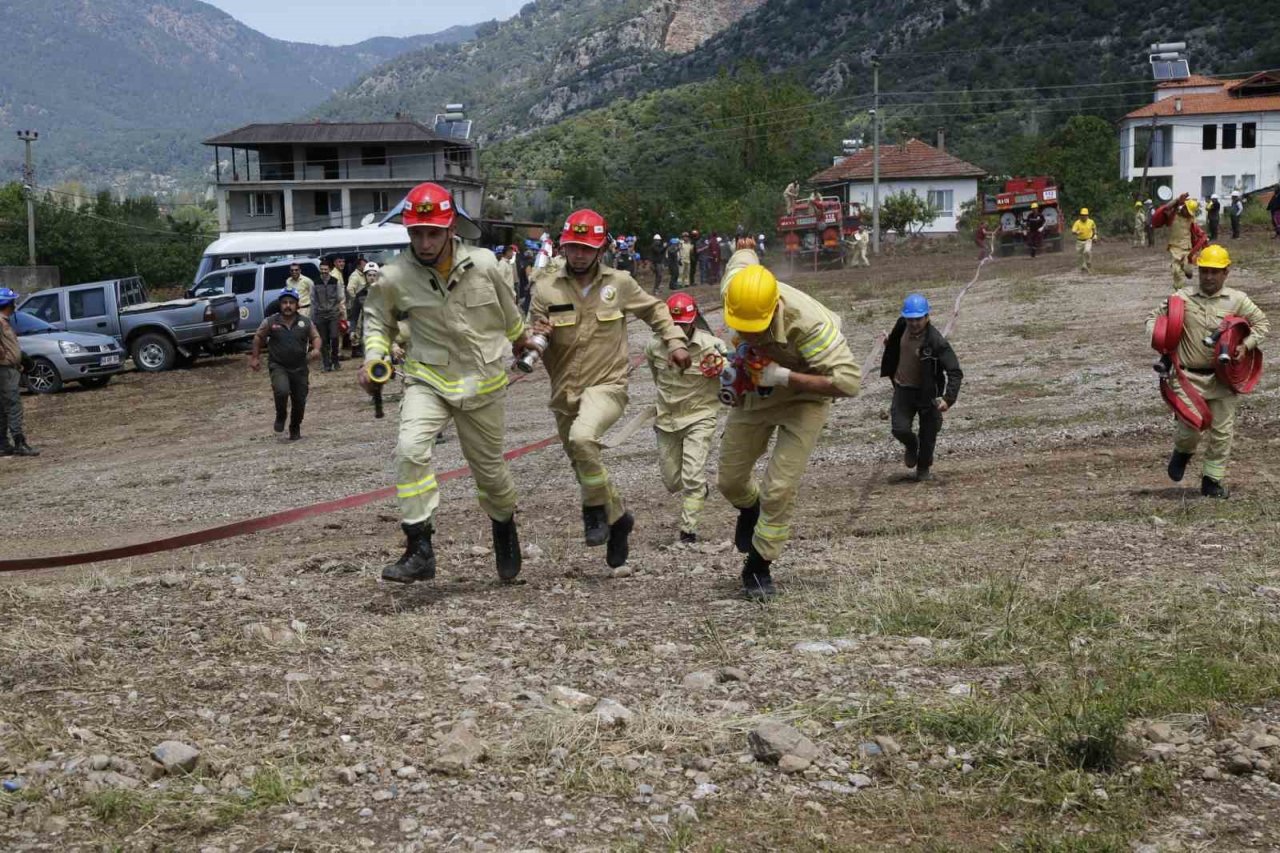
x,y
381,201
1248,183
942,201
324,159
328,202
1208,186
262,204
1228,183
373,155
1229,135
1209,139
1249,135
1159,142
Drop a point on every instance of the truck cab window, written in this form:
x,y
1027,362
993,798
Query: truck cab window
x,y
44,307
91,302
244,283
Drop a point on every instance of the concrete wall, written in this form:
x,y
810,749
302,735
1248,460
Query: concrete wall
x,y
27,280
1193,165
962,190
237,218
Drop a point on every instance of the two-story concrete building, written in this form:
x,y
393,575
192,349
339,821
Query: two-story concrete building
x,y
1206,136
311,176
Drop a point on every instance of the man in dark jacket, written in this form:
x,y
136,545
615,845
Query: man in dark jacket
x,y
926,381
657,257
328,312
1033,227
290,340
1213,216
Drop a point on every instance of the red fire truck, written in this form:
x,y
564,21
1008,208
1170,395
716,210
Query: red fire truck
x,y
815,232
1014,203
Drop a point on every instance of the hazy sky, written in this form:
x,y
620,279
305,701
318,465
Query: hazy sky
x,y
347,21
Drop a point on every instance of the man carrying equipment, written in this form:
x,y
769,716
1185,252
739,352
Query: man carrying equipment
x,y
290,340
1207,373
1185,236
581,311
688,408
460,314
926,381
810,364
1086,231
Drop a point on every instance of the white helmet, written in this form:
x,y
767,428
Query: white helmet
x,y
371,267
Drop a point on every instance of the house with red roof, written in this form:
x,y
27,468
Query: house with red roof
x,y
946,181
1206,135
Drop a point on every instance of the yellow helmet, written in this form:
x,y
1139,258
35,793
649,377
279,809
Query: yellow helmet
x,y
1084,211
1214,257
1137,204
1035,205
1192,206
750,299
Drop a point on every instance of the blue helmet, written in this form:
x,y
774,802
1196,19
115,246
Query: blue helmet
x,y
915,306
7,296
290,293
674,241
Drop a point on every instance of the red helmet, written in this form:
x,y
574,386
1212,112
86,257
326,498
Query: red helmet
x,y
429,204
586,228
682,307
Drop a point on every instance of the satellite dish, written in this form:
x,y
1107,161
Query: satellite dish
x,y
366,220
1164,193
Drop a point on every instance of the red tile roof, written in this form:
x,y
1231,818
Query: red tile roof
x,y
1193,80
1208,104
915,159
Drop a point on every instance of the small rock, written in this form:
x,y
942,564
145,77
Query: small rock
x,y
870,750
622,572
793,764
1239,764
701,680
408,825
888,744
960,689
835,787
382,795
366,811
815,648
1160,752
407,772
771,741
100,762
705,789
267,634
731,673
612,713
346,776
171,580
176,757
1264,741
1210,773
478,551
1159,732
920,643
861,780
570,698
685,813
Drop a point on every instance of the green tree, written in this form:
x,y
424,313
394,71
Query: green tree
x,y
905,212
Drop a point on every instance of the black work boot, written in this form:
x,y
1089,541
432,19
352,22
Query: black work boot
x,y
746,528
757,583
6,449
1178,465
295,432
619,548
688,538
418,563
506,548
21,448
923,474
595,525
1211,488
281,413
910,456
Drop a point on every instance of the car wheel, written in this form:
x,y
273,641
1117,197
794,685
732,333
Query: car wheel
x,y
43,377
153,353
95,381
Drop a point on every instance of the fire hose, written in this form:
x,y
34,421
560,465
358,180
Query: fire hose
x,y
1241,376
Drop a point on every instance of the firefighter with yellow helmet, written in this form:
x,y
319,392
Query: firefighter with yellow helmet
x,y
461,317
809,365
1185,236
1203,309
580,310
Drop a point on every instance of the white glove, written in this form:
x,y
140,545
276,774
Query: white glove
x,y
773,374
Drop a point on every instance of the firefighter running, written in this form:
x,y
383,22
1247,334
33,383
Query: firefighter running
x,y
810,366
290,340
460,315
1185,237
1086,231
581,309
1205,308
688,408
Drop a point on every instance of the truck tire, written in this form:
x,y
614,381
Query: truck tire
x,y
153,352
43,377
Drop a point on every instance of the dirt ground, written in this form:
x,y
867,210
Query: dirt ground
x,y
1048,647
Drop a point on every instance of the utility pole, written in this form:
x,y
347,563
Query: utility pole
x,y
29,188
875,154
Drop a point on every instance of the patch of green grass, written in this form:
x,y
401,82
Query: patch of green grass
x,y
120,806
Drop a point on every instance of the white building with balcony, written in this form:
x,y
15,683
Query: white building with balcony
x,y
1204,136
312,176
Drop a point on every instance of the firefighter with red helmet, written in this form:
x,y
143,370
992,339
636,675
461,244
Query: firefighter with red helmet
x,y
460,315
580,309
688,408
1196,380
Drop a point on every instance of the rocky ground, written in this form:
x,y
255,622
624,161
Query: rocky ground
x,y
1049,647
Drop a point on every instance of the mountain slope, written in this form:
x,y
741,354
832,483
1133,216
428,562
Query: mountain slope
x,y
554,58
124,86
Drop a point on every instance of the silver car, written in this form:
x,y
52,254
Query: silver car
x,y
54,358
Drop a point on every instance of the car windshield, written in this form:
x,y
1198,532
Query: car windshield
x,y
29,324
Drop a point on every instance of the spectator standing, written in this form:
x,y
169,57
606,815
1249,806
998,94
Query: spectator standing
x,y
657,257
328,311
1236,211
11,423
715,256
302,284
703,247
356,284
1273,207
693,257
674,251
1213,216
290,340
338,269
